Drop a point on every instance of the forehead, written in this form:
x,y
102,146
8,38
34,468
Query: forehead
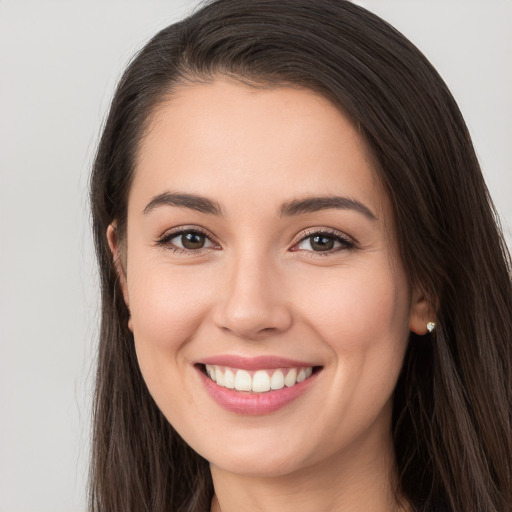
x,y
226,139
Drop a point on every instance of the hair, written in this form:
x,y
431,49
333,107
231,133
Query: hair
x,y
453,400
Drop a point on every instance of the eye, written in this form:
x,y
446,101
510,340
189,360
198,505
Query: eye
x,y
186,240
325,242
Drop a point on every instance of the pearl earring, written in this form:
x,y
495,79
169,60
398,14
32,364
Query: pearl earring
x,y
431,326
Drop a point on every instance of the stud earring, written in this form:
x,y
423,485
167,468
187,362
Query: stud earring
x,y
431,326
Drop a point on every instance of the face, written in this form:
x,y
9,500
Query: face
x,y
269,307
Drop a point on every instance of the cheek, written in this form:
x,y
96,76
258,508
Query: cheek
x,y
363,319
361,314
357,309
167,305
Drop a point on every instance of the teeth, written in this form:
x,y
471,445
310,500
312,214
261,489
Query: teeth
x,y
277,380
291,378
259,381
304,373
229,379
219,377
243,381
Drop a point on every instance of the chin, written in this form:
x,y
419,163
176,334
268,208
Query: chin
x,y
259,459
258,465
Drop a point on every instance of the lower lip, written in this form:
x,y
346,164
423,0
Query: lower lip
x,y
253,404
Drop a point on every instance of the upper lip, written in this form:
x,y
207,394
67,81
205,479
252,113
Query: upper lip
x,y
255,363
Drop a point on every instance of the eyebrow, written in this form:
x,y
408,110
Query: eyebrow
x,y
288,209
314,204
192,201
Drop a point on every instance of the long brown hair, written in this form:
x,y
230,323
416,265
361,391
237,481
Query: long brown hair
x,y
453,401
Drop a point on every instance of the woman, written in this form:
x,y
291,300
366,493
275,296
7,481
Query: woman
x,y
306,300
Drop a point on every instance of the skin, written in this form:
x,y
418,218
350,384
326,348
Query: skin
x,y
259,288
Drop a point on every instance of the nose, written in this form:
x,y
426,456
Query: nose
x,y
252,303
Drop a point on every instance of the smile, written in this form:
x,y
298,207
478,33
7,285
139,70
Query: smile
x,y
259,381
256,386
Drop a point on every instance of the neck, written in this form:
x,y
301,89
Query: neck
x,y
346,482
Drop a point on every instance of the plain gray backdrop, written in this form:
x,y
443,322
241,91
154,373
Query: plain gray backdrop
x,y
59,63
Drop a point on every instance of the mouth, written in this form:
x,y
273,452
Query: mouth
x,y
258,385
257,381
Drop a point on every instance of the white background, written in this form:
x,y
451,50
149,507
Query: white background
x,y
59,62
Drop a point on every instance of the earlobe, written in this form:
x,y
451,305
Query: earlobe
x,y
114,245
422,317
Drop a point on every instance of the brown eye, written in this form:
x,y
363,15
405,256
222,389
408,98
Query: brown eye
x,y
187,240
193,240
324,242
321,243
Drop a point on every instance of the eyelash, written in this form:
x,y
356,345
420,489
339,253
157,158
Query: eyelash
x,y
345,242
165,240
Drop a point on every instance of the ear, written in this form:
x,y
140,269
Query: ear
x,y
422,312
114,245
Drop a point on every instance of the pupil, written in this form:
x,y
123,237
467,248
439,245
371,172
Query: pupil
x,y
322,243
192,241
